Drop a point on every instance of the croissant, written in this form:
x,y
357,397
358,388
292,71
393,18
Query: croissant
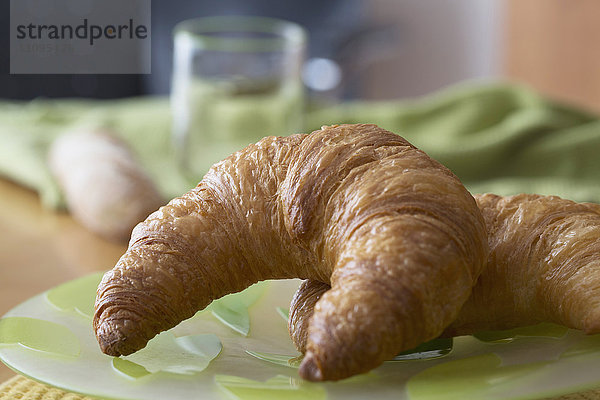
x,y
393,232
543,266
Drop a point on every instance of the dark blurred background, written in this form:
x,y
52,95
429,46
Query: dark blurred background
x,y
331,24
379,49
358,39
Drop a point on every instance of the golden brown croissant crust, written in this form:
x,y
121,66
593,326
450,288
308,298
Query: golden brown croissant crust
x,y
544,266
395,234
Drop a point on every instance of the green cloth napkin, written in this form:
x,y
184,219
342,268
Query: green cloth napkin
x,y
499,138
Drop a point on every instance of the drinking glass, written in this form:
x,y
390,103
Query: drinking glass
x,y
235,80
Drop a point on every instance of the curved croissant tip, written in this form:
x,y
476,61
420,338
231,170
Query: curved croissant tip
x,y
109,346
113,343
310,370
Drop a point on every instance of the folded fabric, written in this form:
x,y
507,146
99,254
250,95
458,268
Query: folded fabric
x,y
499,138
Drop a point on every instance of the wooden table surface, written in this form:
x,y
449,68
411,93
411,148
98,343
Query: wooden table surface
x,y
41,248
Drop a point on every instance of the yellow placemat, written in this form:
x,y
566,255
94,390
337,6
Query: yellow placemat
x,y
21,388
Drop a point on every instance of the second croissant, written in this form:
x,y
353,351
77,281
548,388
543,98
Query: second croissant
x,y
543,267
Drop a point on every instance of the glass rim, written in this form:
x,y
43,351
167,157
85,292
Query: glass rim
x,y
204,32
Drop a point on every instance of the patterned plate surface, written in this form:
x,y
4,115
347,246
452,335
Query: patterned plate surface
x,y
239,348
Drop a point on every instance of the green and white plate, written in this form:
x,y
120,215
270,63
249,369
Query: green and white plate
x,y
239,348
